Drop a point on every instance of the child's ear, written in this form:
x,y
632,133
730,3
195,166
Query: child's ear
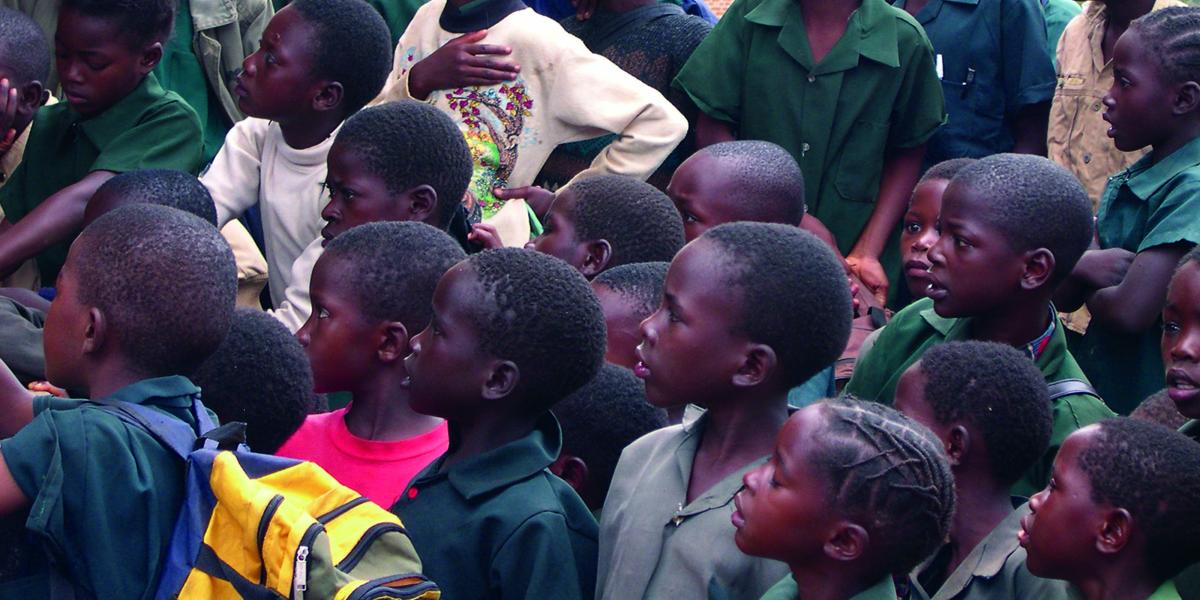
x,y
1187,98
572,470
34,95
393,342
1039,268
422,202
1115,531
96,333
848,542
329,97
151,55
758,364
957,443
502,380
597,255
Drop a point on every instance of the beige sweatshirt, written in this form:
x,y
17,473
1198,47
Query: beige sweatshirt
x,y
564,93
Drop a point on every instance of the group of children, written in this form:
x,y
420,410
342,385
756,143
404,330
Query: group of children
x,y
617,388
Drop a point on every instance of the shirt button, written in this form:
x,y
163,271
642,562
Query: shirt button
x,y
412,493
1087,158
805,147
1096,107
811,78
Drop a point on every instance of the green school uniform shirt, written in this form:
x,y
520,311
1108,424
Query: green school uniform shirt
x,y
917,327
1143,207
500,525
149,129
875,91
103,494
787,589
1166,591
181,72
992,59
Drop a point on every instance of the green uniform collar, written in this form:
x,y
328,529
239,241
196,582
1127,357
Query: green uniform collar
x,y
871,33
721,493
1144,179
1191,429
1166,591
501,467
986,560
114,121
169,391
957,329
787,589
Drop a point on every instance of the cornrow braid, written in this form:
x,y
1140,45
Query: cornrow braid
x,y
889,474
1173,35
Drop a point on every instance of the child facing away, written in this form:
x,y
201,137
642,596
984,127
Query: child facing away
x,y
399,161
1119,517
749,310
1012,227
854,492
1148,212
88,477
518,86
116,118
319,62
848,87
989,406
628,294
513,332
371,292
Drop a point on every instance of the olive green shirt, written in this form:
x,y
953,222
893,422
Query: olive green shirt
x,y
103,494
917,327
1166,591
148,129
786,589
1143,207
500,525
874,92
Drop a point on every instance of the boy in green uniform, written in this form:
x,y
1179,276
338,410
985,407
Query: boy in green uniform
x,y
116,118
513,332
103,495
1012,227
848,87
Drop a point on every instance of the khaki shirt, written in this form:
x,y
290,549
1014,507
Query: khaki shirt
x,y
1077,137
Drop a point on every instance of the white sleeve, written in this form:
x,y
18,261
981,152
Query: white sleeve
x,y
296,306
233,177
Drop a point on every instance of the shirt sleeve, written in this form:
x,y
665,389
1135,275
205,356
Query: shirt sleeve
x,y
169,137
871,368
1177,219
920,107
233,176
714,75
537,561
297,304
1028,67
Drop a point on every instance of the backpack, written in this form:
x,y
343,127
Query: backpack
x,y
260,526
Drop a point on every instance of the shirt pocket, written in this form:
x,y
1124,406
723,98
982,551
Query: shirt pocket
x,y
861,163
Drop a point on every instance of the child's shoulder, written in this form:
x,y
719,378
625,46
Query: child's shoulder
x,y
654,445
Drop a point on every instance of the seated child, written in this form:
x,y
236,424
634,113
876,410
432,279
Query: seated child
x,y
320,61
1119,518
513,332
1180,342
1150,209
24,68
116,118
518,86
598,421
260,376
749,310
1160,408
628,294
606,221
1012,227
91,478
919,227
989,406
371,292
399,161
853,493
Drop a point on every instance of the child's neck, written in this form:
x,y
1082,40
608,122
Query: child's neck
x,y
310,130
486,431
982,505
1180,137
1118,15
381,412
108,377
1120,580
1016,324
828,582
737,431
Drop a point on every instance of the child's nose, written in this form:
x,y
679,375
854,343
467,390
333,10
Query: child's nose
x,y
647,330
1035,502
1186,348
303,336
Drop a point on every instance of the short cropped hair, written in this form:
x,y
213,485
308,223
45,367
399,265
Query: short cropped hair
x,y
409,143
1172,36
164,280
768,179
1154,473
23,48
539,313
1159,408
638,220
946,170
1000,393
166,187
1034,203
260,376
794,294
640,283
393,267
141,22
351,45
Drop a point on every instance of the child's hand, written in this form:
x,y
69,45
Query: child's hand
x,y
485,235
1098,269
539,199
461,63
8,114
45,387
871,273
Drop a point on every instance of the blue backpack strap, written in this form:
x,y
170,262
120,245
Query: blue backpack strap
x,y
172,433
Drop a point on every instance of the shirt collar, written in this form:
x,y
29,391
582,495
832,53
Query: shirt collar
x,y
172,390
1166,591
118,118
884,589
508,464
953,329
1144,179
987,559
210,14
871,33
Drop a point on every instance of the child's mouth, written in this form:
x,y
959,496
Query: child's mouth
x,y
640,369
1180,386
936,291
1023,534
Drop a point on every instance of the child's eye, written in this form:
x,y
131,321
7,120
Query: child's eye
x,y
912,227
690,218
1170,327
269,58
961,243
322,313
96,66
673,317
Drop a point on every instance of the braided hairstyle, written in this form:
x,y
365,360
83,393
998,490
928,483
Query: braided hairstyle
x,y
889,474
1173,35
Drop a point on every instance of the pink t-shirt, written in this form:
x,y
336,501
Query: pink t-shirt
x,y
378,470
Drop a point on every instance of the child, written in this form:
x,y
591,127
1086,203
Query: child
x,y
598,421
104,494
606,221
628,294
320,61
1180,343
988,405
518,86
513,332
116,118
848,87
24,67
260,376
1118,519
371,290
1149,209
853,493
400,161
1012,227
918,227
749,310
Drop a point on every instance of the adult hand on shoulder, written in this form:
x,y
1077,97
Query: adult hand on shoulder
x,y
1098,269
462,62
539,199
870,272
485,235
8,114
